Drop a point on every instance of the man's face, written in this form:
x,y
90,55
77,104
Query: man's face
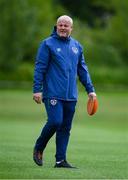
x,y
64,28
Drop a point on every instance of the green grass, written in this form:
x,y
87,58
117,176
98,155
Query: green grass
x,y
98,144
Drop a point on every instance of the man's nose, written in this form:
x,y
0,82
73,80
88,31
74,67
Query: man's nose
x,y
62,27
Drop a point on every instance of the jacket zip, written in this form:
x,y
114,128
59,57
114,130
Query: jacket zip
x,y
68,72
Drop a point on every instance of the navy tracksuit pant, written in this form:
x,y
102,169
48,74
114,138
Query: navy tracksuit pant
x,y
60,114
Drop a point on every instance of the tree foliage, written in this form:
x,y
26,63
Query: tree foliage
x,y
16,32
99,25
94,12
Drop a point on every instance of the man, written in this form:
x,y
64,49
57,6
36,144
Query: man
x,y
59,60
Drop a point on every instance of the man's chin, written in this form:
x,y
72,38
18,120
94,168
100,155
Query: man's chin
x,y
63,35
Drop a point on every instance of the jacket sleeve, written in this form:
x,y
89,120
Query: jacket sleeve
x,y
41,65
83,74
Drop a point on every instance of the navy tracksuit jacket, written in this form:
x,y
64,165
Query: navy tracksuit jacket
x,y
58,62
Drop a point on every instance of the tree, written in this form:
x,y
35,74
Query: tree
x,y
94,12
16,32
117,30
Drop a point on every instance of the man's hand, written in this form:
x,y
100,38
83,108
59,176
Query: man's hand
x,y
37,97
92,95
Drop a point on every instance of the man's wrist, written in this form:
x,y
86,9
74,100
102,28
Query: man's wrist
x,y
92,94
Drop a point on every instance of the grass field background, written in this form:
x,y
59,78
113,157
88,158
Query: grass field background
x,y
98,144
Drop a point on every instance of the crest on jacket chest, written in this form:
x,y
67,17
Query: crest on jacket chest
x,y
75,50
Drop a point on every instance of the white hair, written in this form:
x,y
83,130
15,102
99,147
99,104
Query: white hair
x,y
66,18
